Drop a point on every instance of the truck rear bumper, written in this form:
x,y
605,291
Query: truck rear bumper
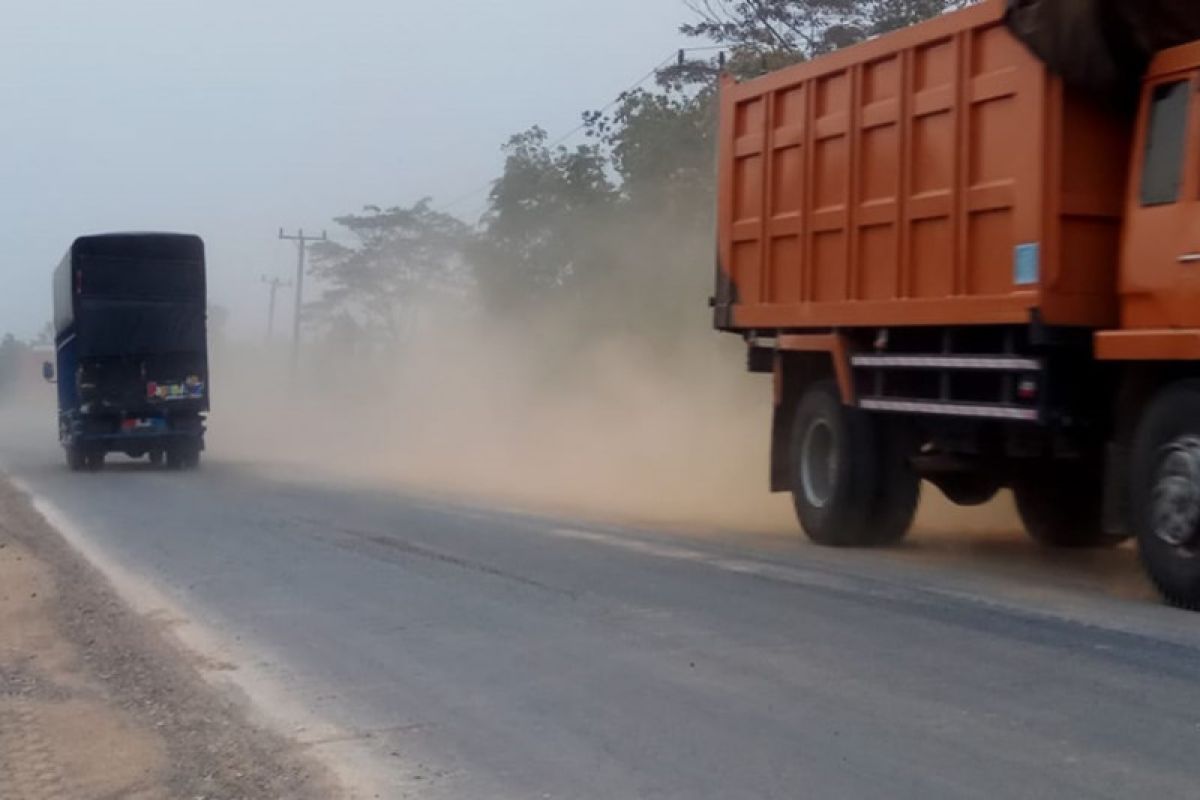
x,y
138,445
115,433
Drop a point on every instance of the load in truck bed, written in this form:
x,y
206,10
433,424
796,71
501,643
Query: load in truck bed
x,y
1103,46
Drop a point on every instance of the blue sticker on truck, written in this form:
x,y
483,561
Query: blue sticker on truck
x,y
1027,264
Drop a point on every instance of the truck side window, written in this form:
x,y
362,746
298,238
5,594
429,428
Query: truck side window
x,y
1165,144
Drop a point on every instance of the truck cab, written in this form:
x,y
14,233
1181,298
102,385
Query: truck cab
x,y
1159,287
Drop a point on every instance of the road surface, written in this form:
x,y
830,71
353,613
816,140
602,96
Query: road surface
x,y
462,652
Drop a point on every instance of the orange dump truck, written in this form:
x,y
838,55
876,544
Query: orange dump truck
x,y
961,270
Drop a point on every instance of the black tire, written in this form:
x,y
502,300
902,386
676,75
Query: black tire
x,y
1165,493
93,459
967,489
1065,508
899,491
75,458
851,481
156,458
183,456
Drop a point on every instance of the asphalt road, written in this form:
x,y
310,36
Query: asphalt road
x,y
473,653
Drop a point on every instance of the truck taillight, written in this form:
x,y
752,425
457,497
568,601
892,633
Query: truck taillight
x,y
1027,389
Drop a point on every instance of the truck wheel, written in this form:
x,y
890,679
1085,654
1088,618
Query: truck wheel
x,y
75,460
850,483
1165,493
1066,509
183,457
156,458
93,459
967,489
899,492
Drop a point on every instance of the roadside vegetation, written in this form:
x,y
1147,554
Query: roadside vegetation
x,y
610,227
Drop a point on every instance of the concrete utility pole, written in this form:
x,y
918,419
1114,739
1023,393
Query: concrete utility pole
x,y
301,247
276,284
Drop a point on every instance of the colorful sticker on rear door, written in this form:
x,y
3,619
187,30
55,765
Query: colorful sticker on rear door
x,y
190,389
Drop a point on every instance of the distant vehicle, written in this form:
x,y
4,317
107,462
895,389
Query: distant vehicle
x,y
961,269
131,349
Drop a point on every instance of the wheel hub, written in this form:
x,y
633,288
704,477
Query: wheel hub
x,y
1176,500
818,463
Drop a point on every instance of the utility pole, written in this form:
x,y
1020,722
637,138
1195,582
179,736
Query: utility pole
x,y
301,248
276,284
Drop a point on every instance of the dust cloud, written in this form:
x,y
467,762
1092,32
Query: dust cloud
x,y
530,416
479,408
527,414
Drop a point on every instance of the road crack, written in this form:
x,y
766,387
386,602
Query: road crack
x,y
355,539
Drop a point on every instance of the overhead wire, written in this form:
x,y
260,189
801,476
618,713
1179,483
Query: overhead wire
x,y
675,54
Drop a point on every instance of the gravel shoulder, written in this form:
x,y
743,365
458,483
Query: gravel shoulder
x,y
99,702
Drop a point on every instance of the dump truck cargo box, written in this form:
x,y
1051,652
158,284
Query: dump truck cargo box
x,y
939,175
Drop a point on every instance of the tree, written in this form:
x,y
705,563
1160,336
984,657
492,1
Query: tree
x,y
648,268
398,256
538,232
775,32
616,232
661,146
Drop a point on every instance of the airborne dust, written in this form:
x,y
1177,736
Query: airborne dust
x,y
550,412
530,414
613,425
477,407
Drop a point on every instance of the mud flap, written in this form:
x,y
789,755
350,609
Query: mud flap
x,y
781,438
1115,516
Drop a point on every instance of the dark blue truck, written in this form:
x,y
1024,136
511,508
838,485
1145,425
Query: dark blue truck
x,y
131,342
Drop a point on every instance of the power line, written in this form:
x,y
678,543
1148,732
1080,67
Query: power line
x,y
675,54
657,68
302,247
276,284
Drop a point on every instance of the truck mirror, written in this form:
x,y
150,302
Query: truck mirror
x,y
48,371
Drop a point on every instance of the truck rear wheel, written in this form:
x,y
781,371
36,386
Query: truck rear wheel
x,y
75,459
1165,493
183,456
1064,509
851,483
93,459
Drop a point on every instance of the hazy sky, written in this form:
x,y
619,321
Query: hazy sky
x,y
230,118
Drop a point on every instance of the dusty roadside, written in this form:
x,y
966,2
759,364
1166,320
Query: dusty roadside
x,y
97,702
